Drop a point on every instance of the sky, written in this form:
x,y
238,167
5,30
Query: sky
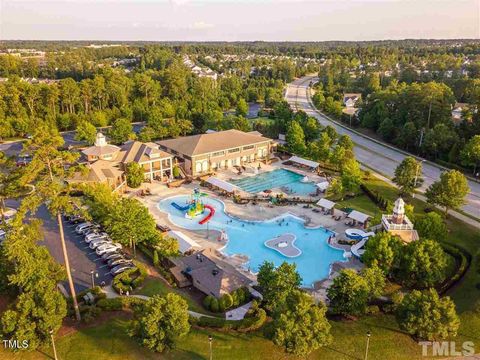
x,y
238,20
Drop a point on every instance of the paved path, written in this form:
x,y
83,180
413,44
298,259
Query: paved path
x,y
380,157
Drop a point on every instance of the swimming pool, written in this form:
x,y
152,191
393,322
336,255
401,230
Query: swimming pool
x,y
276,179
248,238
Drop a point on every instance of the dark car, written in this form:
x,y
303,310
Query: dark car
x,y
23,160
115,262
112,256
121,268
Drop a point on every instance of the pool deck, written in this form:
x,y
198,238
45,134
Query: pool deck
x,y
289,249
260,211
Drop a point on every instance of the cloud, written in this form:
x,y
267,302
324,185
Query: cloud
x,y
201,25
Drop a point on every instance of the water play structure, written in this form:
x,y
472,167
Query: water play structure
x,y
195,207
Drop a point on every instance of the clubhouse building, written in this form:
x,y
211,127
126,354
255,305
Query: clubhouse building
x,y
203,153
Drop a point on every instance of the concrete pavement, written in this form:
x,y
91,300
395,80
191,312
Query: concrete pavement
x,y
382,158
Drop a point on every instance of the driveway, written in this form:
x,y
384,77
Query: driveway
x,y
82,258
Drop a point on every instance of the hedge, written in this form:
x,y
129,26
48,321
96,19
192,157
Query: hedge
x,y
120,303
463,260
378,199
251,323
130,279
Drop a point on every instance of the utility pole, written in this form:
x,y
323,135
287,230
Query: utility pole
x,y
210,340
53,345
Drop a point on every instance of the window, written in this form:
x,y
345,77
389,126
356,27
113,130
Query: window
x,y
218,153
234,150
248,147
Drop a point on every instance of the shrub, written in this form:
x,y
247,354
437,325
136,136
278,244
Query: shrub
x,y
373,310
207,302
110,304
254,320
176,172
155,258
226,301
214,306
130,279
89,312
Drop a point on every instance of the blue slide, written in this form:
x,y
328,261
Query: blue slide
x,y
178,207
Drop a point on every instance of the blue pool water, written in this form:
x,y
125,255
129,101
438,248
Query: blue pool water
x,y
248,238
276,179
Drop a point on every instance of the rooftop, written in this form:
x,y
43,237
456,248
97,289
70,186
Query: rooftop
x,y
216,141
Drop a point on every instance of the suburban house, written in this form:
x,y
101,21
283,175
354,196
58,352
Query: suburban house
x,y
107,163
458,111
350,99
399,224
203,153
202,272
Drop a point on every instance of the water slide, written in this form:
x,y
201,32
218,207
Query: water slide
x,y
179,207
357,249
209,216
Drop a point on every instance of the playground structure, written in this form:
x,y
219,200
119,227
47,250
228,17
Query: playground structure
x,y
196,207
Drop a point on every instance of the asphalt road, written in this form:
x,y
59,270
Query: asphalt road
x,y
82,258
378,157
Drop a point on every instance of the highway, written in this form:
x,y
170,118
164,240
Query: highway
x,y
379,157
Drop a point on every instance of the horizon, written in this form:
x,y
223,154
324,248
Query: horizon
x,y
238,20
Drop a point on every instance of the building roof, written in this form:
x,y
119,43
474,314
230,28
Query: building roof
x,y
99,171
305,162
141,152
101,147
207,143
185,243
209,276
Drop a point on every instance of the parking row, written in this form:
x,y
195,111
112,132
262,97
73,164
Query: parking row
x,y
101,245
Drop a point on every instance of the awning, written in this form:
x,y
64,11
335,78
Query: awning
x,y
358,216
326,204
185,243
305,162
322,186
224,185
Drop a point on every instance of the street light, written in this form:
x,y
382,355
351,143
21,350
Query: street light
x,y
368,343
93,277
416,176
210,339
53,345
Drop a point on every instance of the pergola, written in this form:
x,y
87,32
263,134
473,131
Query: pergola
x,y
359,217
222,184
326,204
304,162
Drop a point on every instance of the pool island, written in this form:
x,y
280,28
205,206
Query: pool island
x,y
284,244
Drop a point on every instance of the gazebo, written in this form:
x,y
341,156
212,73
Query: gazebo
x,y
359,217
327,205
222,184
304,162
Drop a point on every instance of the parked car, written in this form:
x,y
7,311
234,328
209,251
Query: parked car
x,y
96,243
91,227
83,225
121,268
95,236
108,248
76,219
115,262
112,256
93,230
108,256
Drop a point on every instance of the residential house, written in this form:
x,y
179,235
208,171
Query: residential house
x,y
458,112
350,99
204,153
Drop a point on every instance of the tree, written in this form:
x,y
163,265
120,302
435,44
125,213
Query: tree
x,y
47,172
375,278
336,188
242,108
121,131
351,176
160,322
303,326
471,153
383,249
86,132
277,283
423,264
345,142
406,175
431,226
448,192
349,293
135,175
426,316
295,138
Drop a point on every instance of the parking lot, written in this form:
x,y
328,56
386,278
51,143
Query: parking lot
x,y
82,259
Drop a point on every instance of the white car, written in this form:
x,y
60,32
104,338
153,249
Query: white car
x,y
96,243
95,236
108,248
89,229
83,226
